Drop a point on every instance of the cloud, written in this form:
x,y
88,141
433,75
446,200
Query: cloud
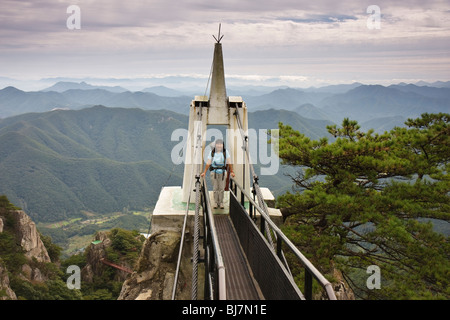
x,y
263,38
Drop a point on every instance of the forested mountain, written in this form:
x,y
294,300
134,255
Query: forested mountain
x,y
14,101
62,86
375,103
382,107
95,160
287,99
58,163
99,159
366,103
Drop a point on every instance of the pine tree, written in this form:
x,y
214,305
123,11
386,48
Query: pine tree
x,y
367,199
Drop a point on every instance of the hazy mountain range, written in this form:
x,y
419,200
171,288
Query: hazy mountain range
x,y
374,106
58,163
371,105
55,164
14,101
112,149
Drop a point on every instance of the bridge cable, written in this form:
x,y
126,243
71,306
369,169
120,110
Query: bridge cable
x,y
185,220
209,77
255,179
198,147
258,192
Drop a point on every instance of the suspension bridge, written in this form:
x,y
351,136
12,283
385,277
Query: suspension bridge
x,y
238,252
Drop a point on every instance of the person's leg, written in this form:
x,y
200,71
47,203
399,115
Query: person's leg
x,y
215,182
221,188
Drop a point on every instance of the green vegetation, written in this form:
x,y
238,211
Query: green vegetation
x,y
124,249
55,165
78,172
361,200
11,254
13,258
75,234
5,204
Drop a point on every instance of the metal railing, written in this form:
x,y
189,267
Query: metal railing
x,y
310,271
215,284
195,174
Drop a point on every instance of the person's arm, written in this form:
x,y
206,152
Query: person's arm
x,y
208,163
228,162
231,169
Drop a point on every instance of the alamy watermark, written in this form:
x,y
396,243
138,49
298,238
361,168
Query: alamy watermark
x,y
73,22
374,20
74,281
260,151
374,280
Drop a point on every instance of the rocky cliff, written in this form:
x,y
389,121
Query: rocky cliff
x,y
97,260
28,237
155,271
6,293
24,234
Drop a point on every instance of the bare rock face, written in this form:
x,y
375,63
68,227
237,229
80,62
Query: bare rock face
x,y
26,234
29,237
6,292
96,256
156,268
341,288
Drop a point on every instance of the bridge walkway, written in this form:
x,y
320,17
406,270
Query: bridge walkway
x,y
240,283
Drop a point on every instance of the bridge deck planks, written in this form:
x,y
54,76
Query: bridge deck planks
x,y
240,284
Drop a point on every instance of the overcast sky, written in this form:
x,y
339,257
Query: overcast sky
x,y
290,42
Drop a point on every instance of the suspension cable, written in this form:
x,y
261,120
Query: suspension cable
x,y
258,192
255,179
198,146
196,173
209,77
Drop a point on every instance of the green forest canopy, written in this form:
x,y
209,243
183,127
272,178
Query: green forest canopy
x,y
361,200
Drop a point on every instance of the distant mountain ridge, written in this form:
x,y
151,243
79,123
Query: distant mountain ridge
x,y
364,103
164,91
287,99
58,163
14,101
62,86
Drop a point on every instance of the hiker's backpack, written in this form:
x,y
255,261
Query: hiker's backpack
x,y
224,167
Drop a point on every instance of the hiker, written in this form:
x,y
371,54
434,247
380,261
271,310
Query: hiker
x,y
218,166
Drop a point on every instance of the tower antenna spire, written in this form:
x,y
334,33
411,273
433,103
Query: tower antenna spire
x,y
219,37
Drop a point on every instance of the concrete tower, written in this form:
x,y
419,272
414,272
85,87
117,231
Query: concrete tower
x,y
218,109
